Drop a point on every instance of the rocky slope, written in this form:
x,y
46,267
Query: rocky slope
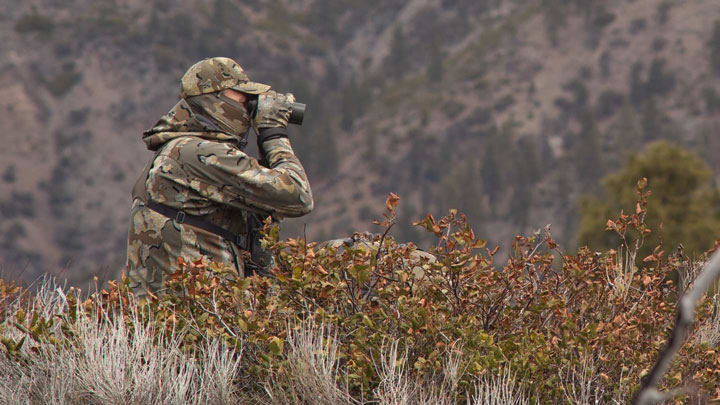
x,y
508,110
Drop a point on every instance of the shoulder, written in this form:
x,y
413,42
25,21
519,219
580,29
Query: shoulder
x,y
192,149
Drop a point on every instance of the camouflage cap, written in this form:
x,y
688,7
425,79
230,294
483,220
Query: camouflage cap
x,y
215,74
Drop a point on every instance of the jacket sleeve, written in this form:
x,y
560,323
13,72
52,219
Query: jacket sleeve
x,y
223,173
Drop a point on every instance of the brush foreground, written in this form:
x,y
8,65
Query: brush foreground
x,y
372,321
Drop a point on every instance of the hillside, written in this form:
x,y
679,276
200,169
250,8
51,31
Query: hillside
x,y
507,110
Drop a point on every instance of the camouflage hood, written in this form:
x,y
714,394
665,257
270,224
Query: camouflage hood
x,y
182,121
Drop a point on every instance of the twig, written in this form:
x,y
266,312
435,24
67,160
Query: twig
x,y
350,289
648,393
218,317
377,260
304,247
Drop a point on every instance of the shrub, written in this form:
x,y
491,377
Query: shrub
x,y
608,103
504,103
9,175
60,84
452,108
373,321
659,82
35,23
604,64
18,204
663,11
658,44
712,100
603,18
637,25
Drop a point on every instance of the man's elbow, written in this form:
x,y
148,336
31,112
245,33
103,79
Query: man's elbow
x,y
306,204
302,205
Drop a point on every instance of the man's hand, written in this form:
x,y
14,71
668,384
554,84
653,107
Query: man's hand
x,y
274,110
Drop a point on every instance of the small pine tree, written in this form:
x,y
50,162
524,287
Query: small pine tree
x,y
554,12
683,201
9,174
588,162
435,68
715,49
398,60
355,97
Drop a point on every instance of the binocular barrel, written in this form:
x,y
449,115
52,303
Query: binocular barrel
x,y
297,111
297,114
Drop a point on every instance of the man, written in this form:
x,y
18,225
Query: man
x,y
198,195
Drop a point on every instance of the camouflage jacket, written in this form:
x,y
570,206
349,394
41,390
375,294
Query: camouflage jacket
x,y
202,172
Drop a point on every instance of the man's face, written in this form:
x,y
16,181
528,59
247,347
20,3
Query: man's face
x,y
235,95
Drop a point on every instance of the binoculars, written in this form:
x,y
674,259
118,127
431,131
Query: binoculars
x,y
297,111
297,114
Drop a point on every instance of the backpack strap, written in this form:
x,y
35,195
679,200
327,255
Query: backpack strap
x,y
181,217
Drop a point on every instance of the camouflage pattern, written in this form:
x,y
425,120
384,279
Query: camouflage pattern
x,y
228,115
200,170
274,109
215,74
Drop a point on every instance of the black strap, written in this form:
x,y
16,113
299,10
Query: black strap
x,y
267,134
182,217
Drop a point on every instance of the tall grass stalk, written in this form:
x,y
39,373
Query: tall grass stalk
x,y
110,361
498,389
311,374
709,331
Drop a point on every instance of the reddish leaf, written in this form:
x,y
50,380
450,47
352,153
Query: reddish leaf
x,y
392,202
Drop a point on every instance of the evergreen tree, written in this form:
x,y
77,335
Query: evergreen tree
x,y
659,81
715,49
398,60
554,12
435,68
495,162
638,91
683,200
354,99
588,162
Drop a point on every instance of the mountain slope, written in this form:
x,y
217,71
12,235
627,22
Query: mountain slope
x,y
506,110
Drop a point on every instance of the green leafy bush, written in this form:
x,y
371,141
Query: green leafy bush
x,y
382,306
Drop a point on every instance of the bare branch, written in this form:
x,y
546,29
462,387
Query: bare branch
x,y
649,393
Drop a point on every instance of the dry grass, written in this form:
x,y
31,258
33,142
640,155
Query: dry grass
x,y
709,331
125,363
499,389
312,370
110,362
623,271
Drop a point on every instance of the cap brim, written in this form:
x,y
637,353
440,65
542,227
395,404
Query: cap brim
x,y
252,88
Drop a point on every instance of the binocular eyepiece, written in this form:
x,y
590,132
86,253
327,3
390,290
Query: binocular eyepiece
x,y
297,111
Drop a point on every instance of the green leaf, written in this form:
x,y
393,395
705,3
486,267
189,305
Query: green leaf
x,y
368,322
244,284
297,273
361,272
20,316
242,324
276,345
202,319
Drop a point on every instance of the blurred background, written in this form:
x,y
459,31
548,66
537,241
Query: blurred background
x,y
510,111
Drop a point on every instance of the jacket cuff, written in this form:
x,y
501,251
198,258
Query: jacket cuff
x,y
267,134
